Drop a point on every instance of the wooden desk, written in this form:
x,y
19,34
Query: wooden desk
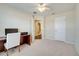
x,y
26,39
2,41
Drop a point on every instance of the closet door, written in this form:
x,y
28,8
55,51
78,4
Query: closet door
x,y
59,28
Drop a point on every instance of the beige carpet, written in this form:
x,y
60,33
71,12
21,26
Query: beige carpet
x,y
46,48
43,48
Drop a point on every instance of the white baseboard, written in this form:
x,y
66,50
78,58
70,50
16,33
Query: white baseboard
x,y
77,49
69,42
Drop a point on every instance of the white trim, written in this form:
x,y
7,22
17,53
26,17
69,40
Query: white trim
x,y
69,42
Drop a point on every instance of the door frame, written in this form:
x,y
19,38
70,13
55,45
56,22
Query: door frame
x,y
33,26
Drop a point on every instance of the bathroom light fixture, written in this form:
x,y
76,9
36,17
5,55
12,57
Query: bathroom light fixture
x,y
42,7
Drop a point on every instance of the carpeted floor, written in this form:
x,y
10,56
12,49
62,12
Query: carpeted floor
x,y
44,48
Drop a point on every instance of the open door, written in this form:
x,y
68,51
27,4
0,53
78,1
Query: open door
x,y
38,27
38,32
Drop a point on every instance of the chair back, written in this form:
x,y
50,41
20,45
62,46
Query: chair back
x,y
13,39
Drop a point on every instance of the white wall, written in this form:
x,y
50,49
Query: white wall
x,y
77,28
13,18
49,27
70,26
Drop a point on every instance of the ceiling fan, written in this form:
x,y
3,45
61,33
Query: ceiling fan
x,y
42,7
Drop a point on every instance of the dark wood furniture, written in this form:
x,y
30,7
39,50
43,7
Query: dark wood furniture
x,y
1,45
26,39
2,41
11,30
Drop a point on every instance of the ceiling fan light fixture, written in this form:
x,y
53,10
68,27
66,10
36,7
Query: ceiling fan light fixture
x,y
42,7
42,4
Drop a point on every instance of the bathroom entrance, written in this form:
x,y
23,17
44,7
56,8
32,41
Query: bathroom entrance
x,y
38,32
38,27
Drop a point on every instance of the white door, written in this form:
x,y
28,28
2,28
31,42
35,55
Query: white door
x,y
60,28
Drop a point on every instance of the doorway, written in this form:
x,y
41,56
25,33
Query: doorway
x,y
38,27
38,33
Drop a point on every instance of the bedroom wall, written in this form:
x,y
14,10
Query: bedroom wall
x,y
49,27
13,18
77,28
70,26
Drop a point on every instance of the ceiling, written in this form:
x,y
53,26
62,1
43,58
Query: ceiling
x,y
54,7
